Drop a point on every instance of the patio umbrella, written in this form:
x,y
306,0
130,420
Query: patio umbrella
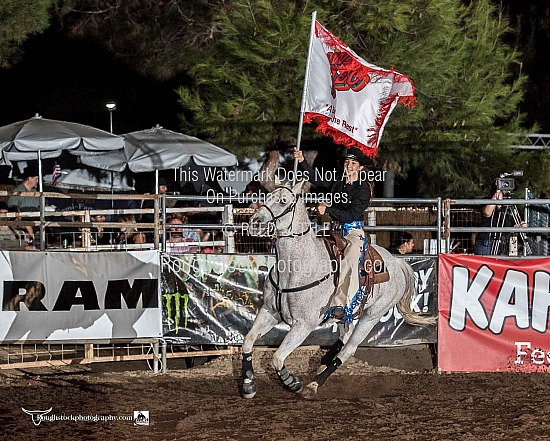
x,y
39,138
82,178
161,149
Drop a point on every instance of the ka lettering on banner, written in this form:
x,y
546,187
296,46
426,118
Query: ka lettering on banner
x,y
493,314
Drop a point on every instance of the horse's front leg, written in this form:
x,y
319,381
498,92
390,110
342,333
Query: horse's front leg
x,y
263,323
295,337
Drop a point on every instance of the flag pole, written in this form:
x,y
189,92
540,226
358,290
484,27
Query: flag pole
x,y
302,109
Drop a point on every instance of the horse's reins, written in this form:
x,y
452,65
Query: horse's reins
x,y
273,220
291,207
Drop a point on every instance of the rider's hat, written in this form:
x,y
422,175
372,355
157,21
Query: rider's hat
x,y
359,156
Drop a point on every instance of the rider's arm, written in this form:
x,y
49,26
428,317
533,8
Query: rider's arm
x,y
313,177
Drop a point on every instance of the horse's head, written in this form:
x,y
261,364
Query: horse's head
x,y
281,210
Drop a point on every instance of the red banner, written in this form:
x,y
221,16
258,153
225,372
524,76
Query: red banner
x,y
493,314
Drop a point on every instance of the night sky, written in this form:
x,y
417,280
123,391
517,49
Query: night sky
x,y
72,80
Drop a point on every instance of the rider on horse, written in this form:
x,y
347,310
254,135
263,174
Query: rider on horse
x,y
351,196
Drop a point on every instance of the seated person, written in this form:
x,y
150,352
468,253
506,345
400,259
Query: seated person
x,y
128,233
178,235
101,235
403,243
8,237
212,236
26,203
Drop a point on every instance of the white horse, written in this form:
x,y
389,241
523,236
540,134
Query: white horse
x,y
300,285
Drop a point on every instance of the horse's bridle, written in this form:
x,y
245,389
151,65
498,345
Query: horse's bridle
x,y
290,208
274,218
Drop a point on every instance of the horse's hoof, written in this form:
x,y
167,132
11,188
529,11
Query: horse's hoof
x,y
310,390
249,388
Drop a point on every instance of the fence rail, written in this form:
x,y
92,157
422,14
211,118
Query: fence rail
x,y
228,224
427,219
462,219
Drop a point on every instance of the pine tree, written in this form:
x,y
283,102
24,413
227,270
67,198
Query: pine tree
x,y
246,93
158,39
20,19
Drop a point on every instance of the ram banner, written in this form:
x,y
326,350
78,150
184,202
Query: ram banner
x,y
68,296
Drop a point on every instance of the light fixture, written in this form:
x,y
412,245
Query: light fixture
x,y
110,107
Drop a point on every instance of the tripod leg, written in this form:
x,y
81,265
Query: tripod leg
x,y
496,238
517,220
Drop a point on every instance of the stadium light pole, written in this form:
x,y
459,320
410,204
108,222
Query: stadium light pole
x,y
111,107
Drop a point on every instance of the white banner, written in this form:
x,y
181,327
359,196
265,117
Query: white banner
x,y
350,98
61,296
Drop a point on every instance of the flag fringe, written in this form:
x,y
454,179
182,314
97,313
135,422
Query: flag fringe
x,y
337,136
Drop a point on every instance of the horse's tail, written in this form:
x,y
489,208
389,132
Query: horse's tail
x,y
404,304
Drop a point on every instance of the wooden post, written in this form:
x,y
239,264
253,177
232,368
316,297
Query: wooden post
x,y
88,353
86,235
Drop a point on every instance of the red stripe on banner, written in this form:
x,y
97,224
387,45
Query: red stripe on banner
x,y
493,314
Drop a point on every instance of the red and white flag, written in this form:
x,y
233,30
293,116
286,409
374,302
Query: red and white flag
x,y
350,98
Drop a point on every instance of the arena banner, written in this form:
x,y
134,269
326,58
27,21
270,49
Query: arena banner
x,y
70,296
493,314
214,299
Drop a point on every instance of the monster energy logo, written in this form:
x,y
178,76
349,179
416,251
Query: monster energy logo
x,y
176,298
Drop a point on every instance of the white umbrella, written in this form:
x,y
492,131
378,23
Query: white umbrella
x,y
161,149
81,177
40,138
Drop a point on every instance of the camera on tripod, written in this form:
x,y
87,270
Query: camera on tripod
x,y
506,181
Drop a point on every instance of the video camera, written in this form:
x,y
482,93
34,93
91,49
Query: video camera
x,y
506,182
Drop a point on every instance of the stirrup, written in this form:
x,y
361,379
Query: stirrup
x,y
338,312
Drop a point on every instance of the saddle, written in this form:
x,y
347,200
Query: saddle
x,y
374,269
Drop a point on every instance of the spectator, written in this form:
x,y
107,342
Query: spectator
x,y
128,233
8,237
403,243
212,236
177,234
101,235
26,203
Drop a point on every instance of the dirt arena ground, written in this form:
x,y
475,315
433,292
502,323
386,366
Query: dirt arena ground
x,y
362,401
